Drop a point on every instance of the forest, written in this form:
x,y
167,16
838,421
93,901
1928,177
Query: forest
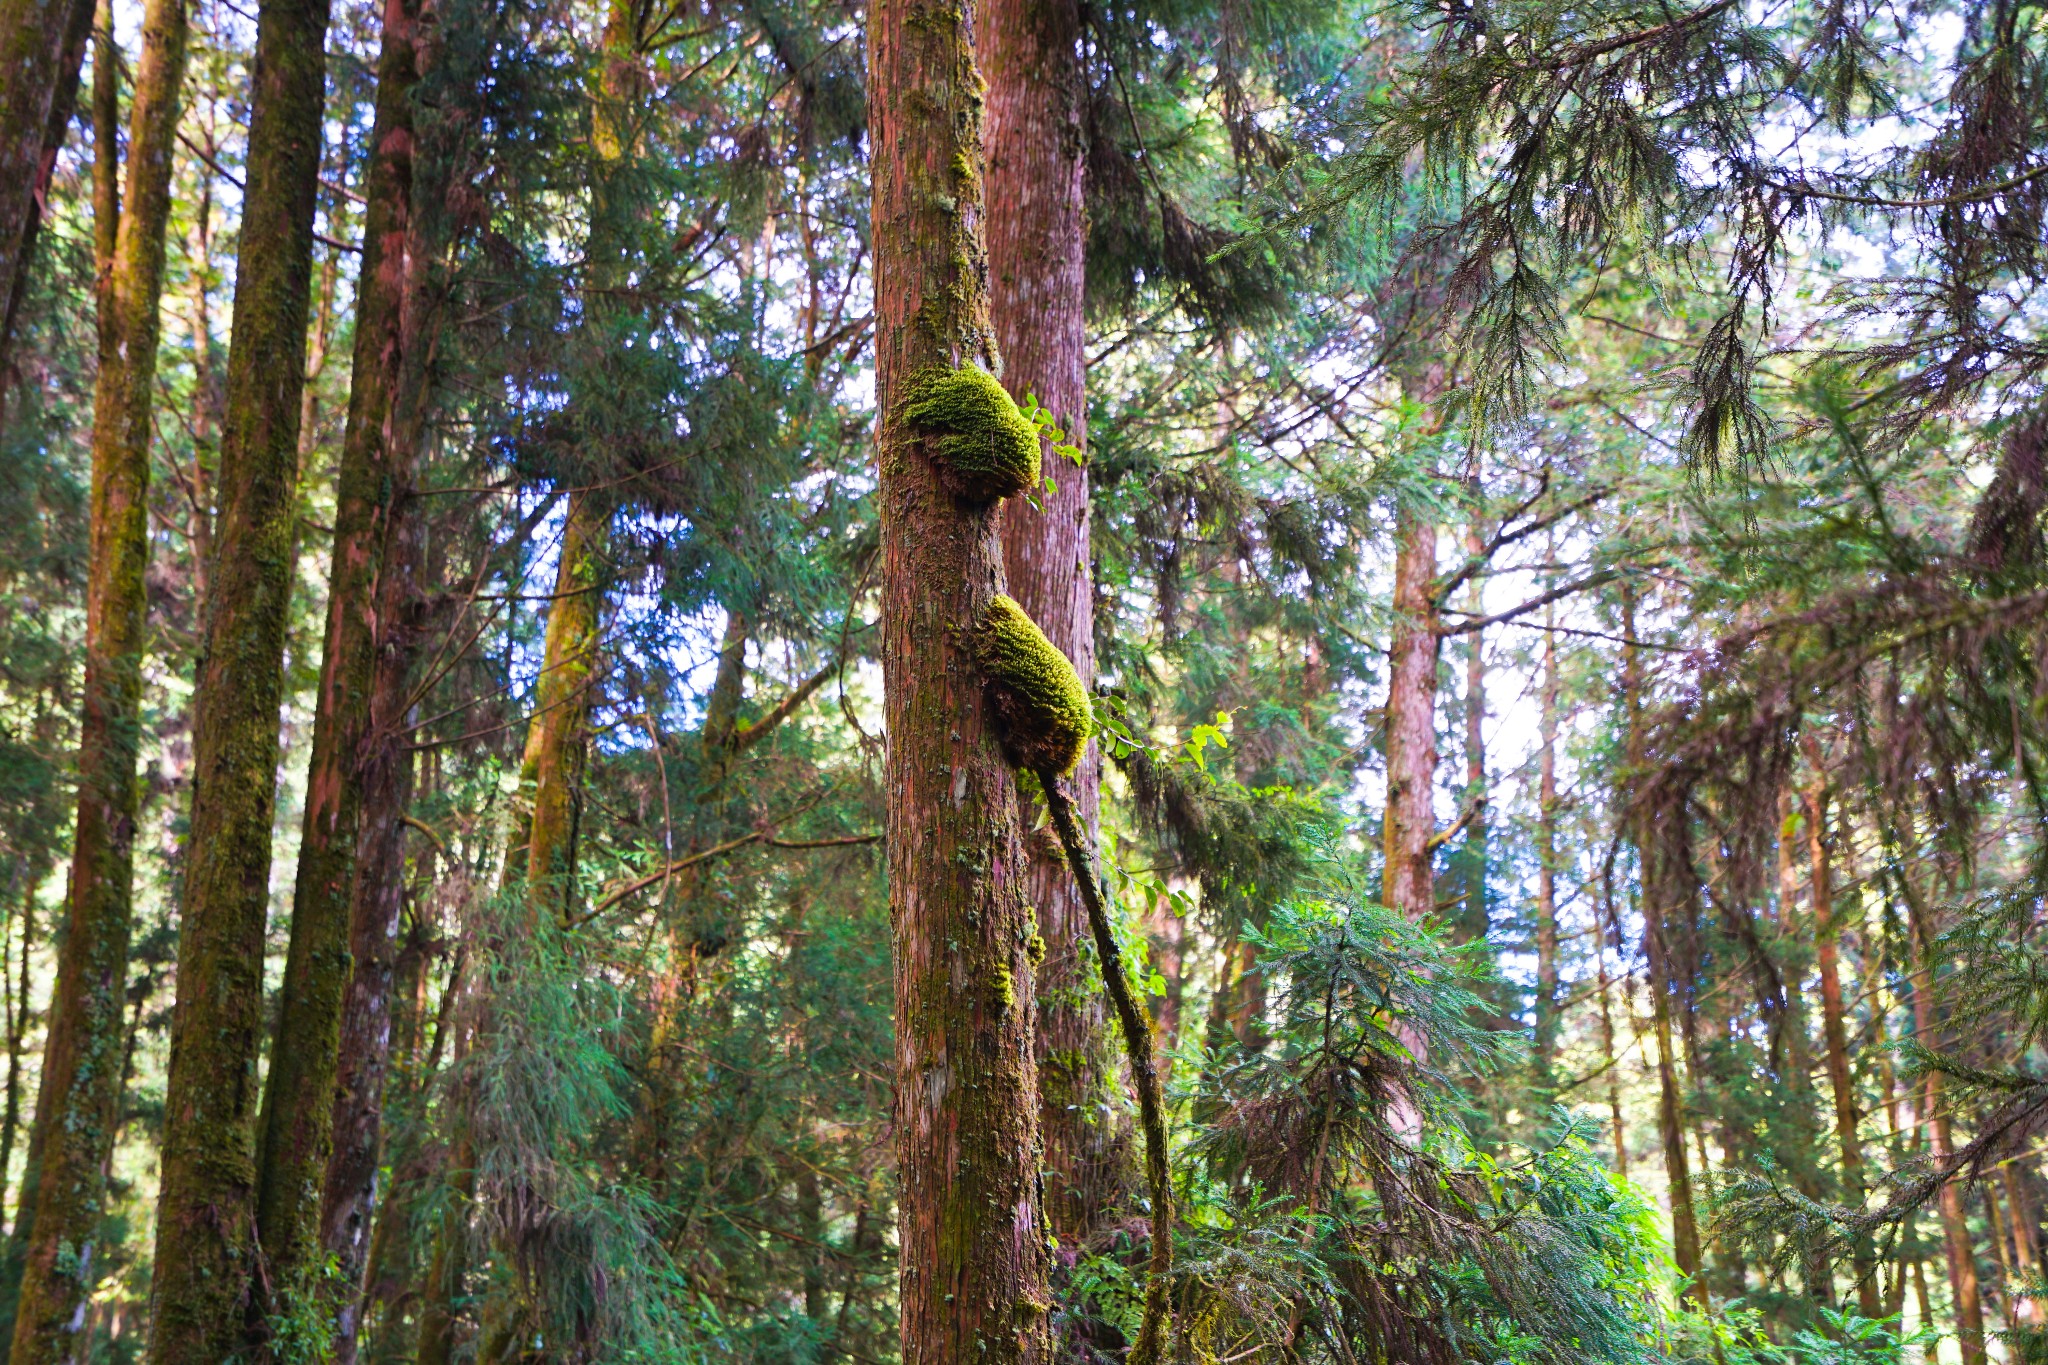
x,y
995,682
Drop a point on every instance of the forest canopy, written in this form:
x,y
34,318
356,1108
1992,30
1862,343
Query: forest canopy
x,y
1163,683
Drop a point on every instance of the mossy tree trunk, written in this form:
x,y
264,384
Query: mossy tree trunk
x,y
205,1247
1029,52
317,1154
81,1087
973,1238
42,49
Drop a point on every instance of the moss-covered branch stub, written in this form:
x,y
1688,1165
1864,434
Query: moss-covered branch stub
x,y
1035,692
984,447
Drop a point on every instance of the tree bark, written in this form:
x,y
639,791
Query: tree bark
x,y
1546,861
1410,823
80,1098
973,1237
205,1248
1685,1228
42,47
1835,1032
1030,55
318,1151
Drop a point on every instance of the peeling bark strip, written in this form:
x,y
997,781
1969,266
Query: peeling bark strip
x,y
1030,52
205,1244
319,1131
81,1088
974,1248
42,47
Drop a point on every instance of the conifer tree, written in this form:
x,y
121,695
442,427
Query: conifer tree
x,y
77,1110
206,1250
952,445
42,49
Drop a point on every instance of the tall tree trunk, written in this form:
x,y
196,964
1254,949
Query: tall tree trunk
x,y
315,1134
81,1087
1610,1059
1962,1257
972,1234
555,744
1546,861
1029,52
205,1247
17,1033
1477,912
1685,1228
1835,1031
42,48
1410,821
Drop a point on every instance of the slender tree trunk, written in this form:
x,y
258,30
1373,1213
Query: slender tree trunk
x,y
205,1249
1685,1230
972,1232
1835,1031
19,1016
1546,861
42,48
318,1153
1477,912
1609,1056
81,1089
555,744
1029,52
1962,1257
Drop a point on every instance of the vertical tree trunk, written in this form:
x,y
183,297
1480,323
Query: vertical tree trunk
x,y
315,1134
17,1033
1029,52
973,1261
42,48
1610,1058
1477,912
205,1251
1410,821
553,762
1835,1031
81,1094
1962,1257
1685,1228
1546,860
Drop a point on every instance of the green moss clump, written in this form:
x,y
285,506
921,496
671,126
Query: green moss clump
x,y
1037,695
986,448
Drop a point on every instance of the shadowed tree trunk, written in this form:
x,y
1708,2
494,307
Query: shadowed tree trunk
x,y
42,48
1029,52
973,1260
321,1102
205,1250
81,1088
1835,1031
1685,1228
1546,859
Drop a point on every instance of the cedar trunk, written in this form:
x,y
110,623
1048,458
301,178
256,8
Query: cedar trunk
x,y
351,857
1546,861
1685,1228
81,1087
1030,54
1962,1257
1410,823
973,1237
205,1250
42,48
1834,1028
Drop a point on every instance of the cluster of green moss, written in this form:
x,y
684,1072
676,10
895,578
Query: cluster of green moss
x,y
987,449
1035,691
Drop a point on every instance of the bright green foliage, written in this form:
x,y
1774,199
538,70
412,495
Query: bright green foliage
x,y
1044,708
987,449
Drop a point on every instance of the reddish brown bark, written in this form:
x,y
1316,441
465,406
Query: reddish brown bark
x,y
1962,1257
973,1237
1835,1032
1030,55
322,1101
1410,823
42,48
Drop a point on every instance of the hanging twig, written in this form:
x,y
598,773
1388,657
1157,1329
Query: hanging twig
x,y
1137,1033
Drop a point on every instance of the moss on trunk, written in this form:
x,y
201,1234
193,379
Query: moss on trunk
x,y
81,1087
42,47
200,1294
973,1236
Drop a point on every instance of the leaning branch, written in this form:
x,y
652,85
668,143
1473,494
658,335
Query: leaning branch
x,y
1144,1074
